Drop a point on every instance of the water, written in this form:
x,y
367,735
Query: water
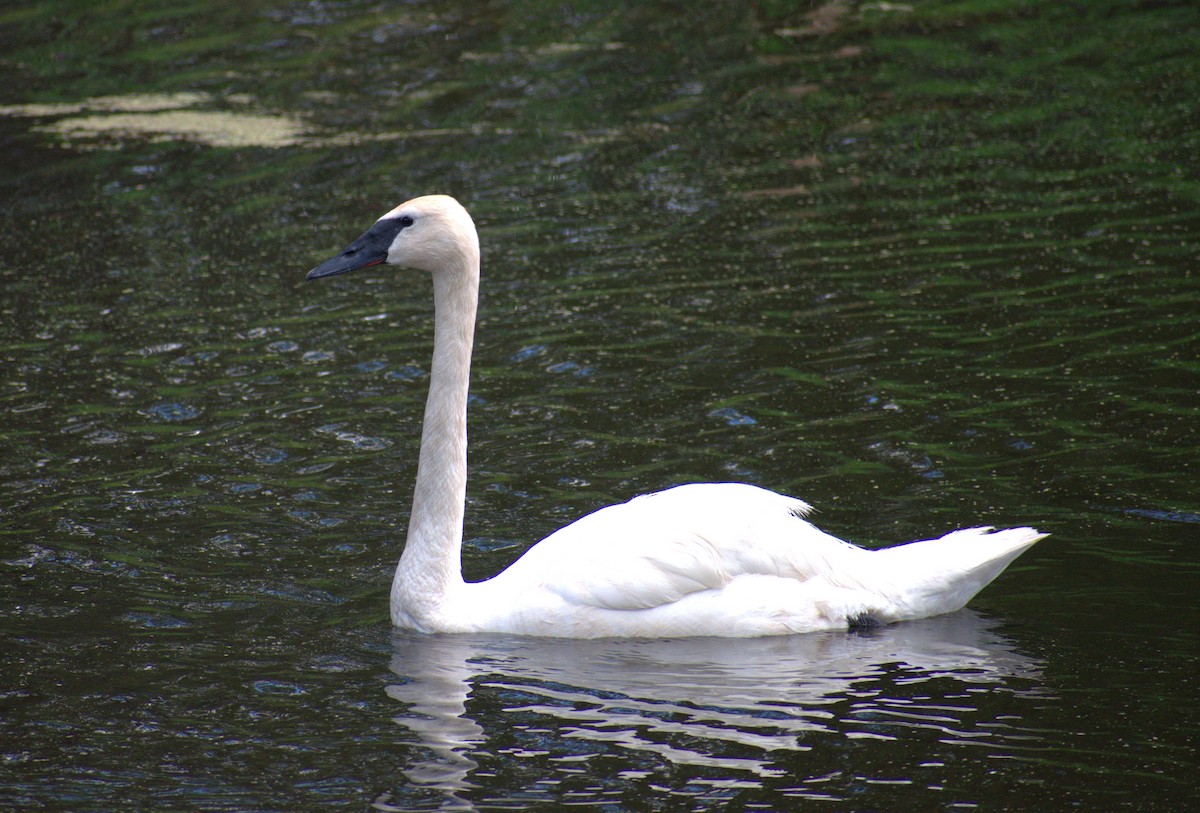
x,y
924,267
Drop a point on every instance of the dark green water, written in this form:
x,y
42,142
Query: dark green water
x,y
925,266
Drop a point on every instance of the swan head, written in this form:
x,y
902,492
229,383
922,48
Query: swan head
x,y
432,233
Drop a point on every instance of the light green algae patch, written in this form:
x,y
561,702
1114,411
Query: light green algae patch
x,y
211,127
161,117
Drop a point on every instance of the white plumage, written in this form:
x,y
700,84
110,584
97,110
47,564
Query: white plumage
x,y
723,559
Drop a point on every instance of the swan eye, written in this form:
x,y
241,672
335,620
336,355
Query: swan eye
x,y
405,221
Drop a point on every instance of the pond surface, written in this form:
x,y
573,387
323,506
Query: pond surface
x,y
925,265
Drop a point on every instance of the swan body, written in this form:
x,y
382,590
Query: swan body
x,y
724,559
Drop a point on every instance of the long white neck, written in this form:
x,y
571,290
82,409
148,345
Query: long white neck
x,y
430,569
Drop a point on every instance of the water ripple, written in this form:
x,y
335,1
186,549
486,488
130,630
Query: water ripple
x,y
356,440
171,412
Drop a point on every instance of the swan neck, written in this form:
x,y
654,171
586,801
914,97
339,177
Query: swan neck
x,y
430,568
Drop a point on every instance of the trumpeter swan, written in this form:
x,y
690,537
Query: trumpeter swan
x,y
702,559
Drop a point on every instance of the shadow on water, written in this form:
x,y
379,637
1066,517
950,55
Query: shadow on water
x,y
700,716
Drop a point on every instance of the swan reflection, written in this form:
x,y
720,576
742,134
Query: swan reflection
x,y
733,706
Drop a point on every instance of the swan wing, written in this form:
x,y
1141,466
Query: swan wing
x,y
658,548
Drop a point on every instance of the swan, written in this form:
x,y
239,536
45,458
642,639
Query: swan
x,y
705,559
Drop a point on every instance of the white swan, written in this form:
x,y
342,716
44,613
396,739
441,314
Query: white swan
x,y
705,559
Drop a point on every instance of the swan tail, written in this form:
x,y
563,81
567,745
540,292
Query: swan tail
x,y
935,576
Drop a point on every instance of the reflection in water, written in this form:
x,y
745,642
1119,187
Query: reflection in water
x,y
731,706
